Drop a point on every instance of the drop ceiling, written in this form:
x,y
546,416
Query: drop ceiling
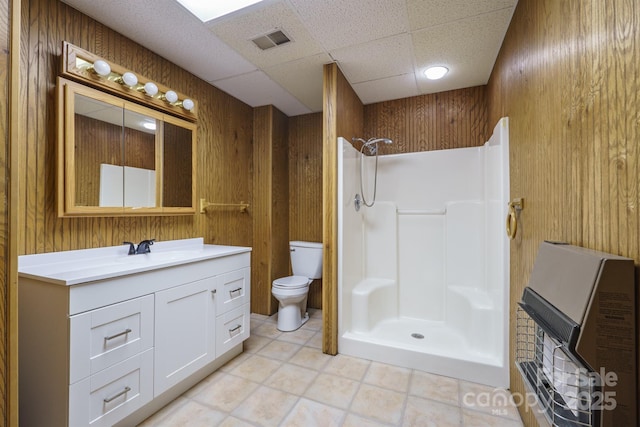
x,y
381,46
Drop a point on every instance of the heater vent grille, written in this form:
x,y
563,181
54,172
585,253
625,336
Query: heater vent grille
x,y
276,38
566,392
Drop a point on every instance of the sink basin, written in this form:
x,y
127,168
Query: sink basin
x,y
154,257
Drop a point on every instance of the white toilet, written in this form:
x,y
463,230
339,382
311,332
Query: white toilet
x,y
291,291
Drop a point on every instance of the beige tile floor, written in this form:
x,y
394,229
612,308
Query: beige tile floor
x,y
284,379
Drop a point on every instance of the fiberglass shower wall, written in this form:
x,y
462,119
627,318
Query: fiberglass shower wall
x,y
437,226
440,225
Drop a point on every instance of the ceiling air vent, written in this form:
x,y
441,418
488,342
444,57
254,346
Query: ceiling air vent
x,y
270,40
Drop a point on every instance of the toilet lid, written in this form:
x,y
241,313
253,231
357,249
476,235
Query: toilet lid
x,y
291,282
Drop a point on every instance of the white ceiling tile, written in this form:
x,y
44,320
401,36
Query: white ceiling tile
x,y
302,78
239,32
469,48
257,89
371,61
456,79
164,21
372,41
340,23
423,14
395,87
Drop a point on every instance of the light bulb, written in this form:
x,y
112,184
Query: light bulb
x,y
129,79
435,73
188,104
150,88
101,68
171,96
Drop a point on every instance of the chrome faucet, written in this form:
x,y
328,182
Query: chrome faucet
x,y
143,247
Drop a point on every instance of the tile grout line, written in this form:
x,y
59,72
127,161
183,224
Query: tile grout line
x,y
322,368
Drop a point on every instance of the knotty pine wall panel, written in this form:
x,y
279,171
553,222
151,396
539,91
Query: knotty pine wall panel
x,y
567,76
452,119
305,187
225,131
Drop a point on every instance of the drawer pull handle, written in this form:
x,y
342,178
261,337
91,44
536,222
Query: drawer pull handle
x,y
213,292
232,330
115,396
125,332
235,290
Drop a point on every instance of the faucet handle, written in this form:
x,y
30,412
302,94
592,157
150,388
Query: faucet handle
x,y
132,247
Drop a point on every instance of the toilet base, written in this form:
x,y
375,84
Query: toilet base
x,y
290,318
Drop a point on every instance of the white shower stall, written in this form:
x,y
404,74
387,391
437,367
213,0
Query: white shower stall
x,y
423,274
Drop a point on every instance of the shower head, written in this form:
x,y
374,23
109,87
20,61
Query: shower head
x,y
372,144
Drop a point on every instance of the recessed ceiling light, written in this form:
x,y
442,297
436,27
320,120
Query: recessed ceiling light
x,y
435,73
206,10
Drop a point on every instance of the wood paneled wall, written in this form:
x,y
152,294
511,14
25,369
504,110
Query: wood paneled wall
x,y
342,116
224,141
5,81
9,166
567,76
305,187
270,257
452,119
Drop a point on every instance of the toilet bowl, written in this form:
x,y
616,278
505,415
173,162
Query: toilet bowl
x,y
292,291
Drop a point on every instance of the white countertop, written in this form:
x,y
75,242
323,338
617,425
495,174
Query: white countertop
x,y
88,265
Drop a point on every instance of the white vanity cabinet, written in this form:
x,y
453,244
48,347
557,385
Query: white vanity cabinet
x,y
105,349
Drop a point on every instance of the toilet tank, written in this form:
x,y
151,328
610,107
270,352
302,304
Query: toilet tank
x,y
306,259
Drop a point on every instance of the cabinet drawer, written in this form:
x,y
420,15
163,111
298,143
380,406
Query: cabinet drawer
x,y
110,395
232,328
232,290
106,336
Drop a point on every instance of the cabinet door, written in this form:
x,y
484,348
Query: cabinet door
x,y
185,332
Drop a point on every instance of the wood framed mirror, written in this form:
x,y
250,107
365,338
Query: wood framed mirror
x,y
116,157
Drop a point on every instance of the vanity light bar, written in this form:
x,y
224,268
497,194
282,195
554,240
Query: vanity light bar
x,y
103,69
86,66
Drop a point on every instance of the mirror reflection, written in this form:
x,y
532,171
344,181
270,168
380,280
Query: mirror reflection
x,y
139,166
98,141
177,155
115,164
120,158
